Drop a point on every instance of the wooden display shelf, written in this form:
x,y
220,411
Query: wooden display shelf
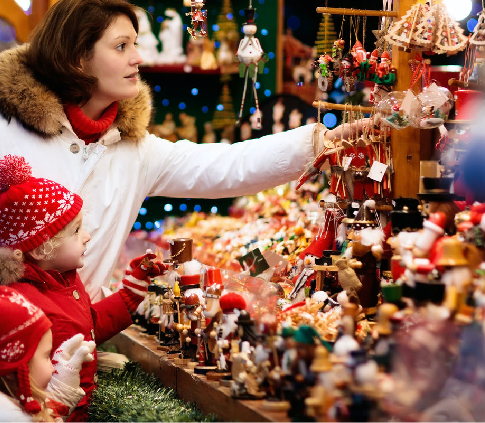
x,y
208,395
189,69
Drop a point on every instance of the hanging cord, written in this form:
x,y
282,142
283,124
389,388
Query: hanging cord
x,y
341,28
417,67
470,54
364,25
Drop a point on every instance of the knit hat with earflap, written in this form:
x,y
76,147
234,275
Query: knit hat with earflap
x,y
32,209
20,334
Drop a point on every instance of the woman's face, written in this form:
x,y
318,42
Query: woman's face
x,y
114,62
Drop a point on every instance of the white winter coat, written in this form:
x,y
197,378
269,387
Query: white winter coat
x,y
116,174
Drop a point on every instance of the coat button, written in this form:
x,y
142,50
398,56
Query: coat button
x,y
74,148
75,294
92,334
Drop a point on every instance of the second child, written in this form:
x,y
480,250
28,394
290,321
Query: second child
x,y
41,221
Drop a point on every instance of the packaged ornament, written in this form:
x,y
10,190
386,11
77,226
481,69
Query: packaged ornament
x,y
399,109
435,106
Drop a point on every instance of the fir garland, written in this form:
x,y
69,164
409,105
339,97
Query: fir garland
x,y
132,395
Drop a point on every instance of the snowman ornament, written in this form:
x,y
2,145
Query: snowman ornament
x,y
252,59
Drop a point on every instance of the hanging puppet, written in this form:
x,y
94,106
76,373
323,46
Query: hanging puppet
x,y
199,19
252,60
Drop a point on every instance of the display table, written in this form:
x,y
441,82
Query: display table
x,y
191,387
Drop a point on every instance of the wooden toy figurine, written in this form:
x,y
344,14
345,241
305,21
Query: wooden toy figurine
x,y
252,59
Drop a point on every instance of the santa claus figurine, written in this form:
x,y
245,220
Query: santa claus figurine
x,y
231,305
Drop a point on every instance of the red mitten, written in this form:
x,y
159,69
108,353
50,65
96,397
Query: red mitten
x,y
141,270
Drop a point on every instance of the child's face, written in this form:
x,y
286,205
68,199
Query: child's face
x,y
40,365
70,253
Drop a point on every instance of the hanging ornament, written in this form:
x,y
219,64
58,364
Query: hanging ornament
x,y
399,109
325,76
478,37
381,43
346,73
252,60
337,53
435,106
427,26
199,19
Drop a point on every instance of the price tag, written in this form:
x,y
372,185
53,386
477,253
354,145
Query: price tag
x,y
347,161
377,171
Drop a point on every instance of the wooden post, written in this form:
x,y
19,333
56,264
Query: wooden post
x,y
409,145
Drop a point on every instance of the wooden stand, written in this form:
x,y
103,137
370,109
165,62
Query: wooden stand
x,y
191,387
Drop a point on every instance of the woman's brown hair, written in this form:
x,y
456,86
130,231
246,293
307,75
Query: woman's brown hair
x,y
65,36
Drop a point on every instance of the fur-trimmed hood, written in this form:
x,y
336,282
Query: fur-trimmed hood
x,y
40,110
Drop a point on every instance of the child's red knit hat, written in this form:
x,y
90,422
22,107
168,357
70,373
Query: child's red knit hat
x,y
20,334
32,210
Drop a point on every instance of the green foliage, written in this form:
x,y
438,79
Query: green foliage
x,y
132,395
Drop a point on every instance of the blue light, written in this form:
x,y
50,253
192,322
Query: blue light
x,y
168,207
143,211
137,225
264,32
146,198
261,1
471,24
252,110
293,22
149,225
257,85
215,27
165,102
195,91
220,107
183,207
338,83
157,88
271,55
217,44
241,12
160,19
267,93
197,208
185,27
329,120
229,16
157,224
214,209
182,106
151,9
266,70
205,109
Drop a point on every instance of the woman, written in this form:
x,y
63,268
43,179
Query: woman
x,y
73,105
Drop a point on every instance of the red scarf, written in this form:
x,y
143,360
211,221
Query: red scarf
x,y
87,129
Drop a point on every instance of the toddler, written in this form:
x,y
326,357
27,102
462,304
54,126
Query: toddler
x,y
42,222
26,371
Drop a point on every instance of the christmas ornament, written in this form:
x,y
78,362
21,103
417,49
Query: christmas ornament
x,y
399,109
252,59
199,20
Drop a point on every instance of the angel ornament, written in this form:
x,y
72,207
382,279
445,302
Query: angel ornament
x,y
199,20
252,59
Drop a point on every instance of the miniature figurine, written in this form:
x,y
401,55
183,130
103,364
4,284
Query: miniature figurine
x,y
171,37
147,42
252,59
199,19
